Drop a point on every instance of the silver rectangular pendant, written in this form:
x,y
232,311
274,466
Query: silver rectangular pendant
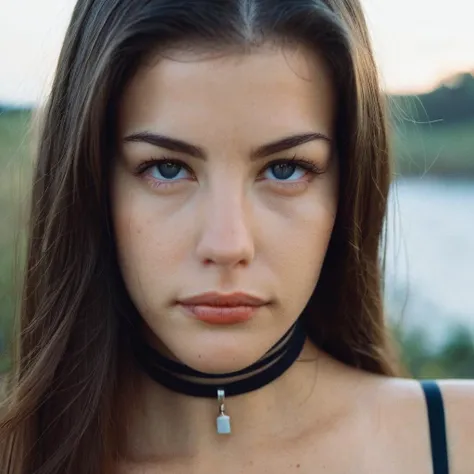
x,y
223,420
223,424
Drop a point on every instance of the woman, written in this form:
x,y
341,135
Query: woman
x,y
203,283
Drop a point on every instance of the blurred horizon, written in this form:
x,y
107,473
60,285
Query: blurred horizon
x,y
414,55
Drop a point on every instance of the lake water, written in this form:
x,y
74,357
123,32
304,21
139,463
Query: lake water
x,y
430,259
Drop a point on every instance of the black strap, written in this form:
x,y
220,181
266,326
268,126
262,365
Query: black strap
x,y
439,447
283,359
146,352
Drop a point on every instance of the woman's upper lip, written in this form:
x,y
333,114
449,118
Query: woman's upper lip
x,y
224,299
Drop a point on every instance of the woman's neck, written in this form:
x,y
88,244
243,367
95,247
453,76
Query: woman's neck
x,y
161,425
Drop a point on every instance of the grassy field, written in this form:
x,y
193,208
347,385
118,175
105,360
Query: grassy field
x,y
441,149
421,149
15,180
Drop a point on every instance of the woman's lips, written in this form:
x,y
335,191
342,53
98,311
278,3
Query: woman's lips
x,y
221,314
222,308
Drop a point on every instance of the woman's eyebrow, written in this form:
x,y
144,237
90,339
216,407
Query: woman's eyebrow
x,y
287,143
174,144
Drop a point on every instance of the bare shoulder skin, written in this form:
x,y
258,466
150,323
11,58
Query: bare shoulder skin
x,y
370,424
400,426
459,407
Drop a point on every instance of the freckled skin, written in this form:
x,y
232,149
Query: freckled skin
x,y
229,224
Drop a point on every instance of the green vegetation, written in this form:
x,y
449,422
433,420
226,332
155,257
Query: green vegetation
x,y
434,133
444,150
15,179
453,359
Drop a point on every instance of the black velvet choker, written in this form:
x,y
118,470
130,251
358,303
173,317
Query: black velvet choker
x,y
183,379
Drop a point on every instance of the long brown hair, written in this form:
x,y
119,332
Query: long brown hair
x,y
70,350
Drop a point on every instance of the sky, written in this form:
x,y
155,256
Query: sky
x,y
416,43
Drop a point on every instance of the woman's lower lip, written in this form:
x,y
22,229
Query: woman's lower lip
x,y
221,314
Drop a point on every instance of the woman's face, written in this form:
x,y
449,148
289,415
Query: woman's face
x,y
222,212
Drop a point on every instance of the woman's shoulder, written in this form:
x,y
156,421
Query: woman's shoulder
x,y
405,405
386,420
458,398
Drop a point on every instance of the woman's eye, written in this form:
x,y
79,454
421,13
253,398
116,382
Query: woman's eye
x,y
285,171
167,171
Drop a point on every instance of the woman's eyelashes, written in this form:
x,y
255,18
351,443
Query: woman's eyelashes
x,y
170,171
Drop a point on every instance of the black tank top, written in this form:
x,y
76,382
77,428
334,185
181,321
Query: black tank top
x,y
437,424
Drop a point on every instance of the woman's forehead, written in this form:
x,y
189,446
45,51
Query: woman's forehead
x,y
277,87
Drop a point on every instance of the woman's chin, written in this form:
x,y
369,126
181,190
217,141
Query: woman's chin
x,y
219,350
219,360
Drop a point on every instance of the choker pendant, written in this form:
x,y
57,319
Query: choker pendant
x,y
223,420
183,379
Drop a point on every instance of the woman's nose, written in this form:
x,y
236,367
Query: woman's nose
x,y
225,234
